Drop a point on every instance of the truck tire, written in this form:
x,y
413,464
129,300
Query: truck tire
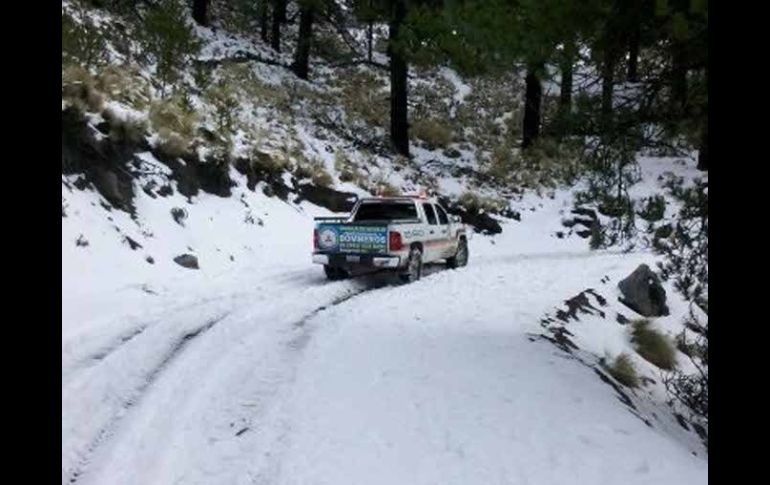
x,y
334,273
460,259
413,266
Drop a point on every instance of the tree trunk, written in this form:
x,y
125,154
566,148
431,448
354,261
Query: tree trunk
x,y
263,19
633,56
678,78
280,7
532,102
399,127
199,11
608,83
703,153
565,95
275,36
302,54
679,62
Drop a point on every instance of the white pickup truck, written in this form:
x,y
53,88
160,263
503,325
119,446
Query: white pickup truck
x,y
390,233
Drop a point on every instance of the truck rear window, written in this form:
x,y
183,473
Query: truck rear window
x,y
383,211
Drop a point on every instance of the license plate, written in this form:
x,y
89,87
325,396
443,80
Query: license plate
x,y
353,259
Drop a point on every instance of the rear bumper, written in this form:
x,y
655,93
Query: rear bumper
x,y
356,260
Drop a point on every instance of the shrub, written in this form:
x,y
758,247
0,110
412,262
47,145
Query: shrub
x,y
313,169
322,178
125,129
329,46
432,132
654,208
623,371
652,345
476,204
686,248
363,98
79,89
224,99
175,124
553,162
267,162
124,83
344,166
691,389
504,162
386,189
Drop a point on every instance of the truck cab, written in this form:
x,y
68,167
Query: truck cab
x,y
399,234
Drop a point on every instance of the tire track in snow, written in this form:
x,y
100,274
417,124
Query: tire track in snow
x,y
300,341
90,360
108,429
77,472
295,347
291,349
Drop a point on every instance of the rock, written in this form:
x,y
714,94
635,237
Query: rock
x,y
102,162
147,189
107,184
582,211
329,198
81,183
511,214
187,260
179,215
664,231
643,293
452,153
150,259
132,244
580,304
165,191
480,221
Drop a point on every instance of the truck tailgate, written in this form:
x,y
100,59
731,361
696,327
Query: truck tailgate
x,y
353,238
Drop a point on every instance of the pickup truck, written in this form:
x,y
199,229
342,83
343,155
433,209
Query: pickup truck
x,y
399,234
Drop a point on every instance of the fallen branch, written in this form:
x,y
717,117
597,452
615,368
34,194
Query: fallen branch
x,y
358,62
239,57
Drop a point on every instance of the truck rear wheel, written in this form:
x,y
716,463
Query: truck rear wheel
x,y
333,273
461,257
413,267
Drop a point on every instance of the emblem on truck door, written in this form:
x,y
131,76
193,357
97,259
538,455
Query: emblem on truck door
x,y
327,238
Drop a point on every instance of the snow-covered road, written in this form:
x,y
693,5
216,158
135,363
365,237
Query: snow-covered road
x,y
256,370
363,381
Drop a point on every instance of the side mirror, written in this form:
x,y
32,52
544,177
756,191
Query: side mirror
x,y
456,219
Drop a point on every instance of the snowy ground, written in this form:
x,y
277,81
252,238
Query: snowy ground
x,y
257,370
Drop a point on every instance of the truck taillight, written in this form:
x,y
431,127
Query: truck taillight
x,y
395,241
315,238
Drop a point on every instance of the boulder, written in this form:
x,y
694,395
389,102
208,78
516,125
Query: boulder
x,y
643,293
187,260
